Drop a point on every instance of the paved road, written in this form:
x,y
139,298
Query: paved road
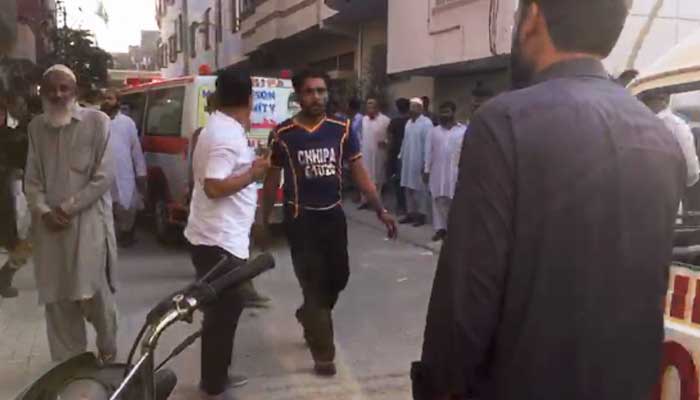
x,y
379,322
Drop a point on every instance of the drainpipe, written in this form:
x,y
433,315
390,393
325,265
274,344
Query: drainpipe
x,y
185,38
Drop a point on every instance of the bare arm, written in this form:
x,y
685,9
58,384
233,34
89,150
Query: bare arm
x,y
272,183
367,187
219,188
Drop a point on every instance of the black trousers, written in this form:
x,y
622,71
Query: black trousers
x,y
220,321
319,245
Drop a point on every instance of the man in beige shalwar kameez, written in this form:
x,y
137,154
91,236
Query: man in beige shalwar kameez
x,y
68,180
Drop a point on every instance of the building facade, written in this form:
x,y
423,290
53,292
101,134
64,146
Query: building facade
x,y
438,48
458,43
271,36
197,35
27,24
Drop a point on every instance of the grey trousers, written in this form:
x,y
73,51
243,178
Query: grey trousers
x,y
416,201
65,326
441,210
124,219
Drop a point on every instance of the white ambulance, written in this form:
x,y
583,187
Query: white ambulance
x,y
678,73
168,112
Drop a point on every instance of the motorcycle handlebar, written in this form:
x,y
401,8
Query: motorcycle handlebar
x,y
208,292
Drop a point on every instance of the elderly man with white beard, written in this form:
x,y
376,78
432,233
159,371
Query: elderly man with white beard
x,y
68,179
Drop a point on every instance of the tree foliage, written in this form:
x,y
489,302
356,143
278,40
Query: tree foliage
x,y
76,49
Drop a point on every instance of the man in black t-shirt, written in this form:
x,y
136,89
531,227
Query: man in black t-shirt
x,y
311,148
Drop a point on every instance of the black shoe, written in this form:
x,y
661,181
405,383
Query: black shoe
x,y
440,235
7,273
419,221
363,206
325,368
9,292
407,220
232,381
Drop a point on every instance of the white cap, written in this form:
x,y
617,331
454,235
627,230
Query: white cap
x,y
61,68
417,100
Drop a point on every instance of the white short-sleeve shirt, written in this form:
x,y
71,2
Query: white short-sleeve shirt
x,y
222,150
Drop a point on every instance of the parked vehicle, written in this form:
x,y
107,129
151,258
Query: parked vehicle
x,y
167,113
678,73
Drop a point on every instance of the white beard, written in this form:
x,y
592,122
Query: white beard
x,y
58,116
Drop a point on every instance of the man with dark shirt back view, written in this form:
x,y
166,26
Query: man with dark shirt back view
x,y
552,281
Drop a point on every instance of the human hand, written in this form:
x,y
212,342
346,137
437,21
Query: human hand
x,y
389,222
56,219
260,167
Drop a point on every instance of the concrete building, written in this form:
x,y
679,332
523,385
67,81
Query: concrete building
x,y
196,33
457,43
346,40
25,27
140,57
452,44
270,36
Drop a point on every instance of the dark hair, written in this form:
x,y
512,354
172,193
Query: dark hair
x,y
233,88
403,105
354,104
426,101
300,78
449,104
117,94
586,26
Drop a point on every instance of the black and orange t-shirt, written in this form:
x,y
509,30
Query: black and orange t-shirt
x,y
312,159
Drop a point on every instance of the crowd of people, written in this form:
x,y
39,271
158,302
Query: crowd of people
x,y
562,196
414,155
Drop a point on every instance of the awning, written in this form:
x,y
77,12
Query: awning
x,y
680,66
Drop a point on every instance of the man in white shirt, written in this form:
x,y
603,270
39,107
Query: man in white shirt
x,y
442,151
375,128
222,211
413,163
659,103
129,168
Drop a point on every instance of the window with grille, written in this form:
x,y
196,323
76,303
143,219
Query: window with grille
x,y
247,7
206,29
193,39
235,16
219,28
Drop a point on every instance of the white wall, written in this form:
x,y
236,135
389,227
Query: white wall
x,y
422,35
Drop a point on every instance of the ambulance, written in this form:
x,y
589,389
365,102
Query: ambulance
x,y
168,112
678,73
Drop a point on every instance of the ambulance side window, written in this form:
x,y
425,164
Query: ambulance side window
x,y
165,111
134,105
